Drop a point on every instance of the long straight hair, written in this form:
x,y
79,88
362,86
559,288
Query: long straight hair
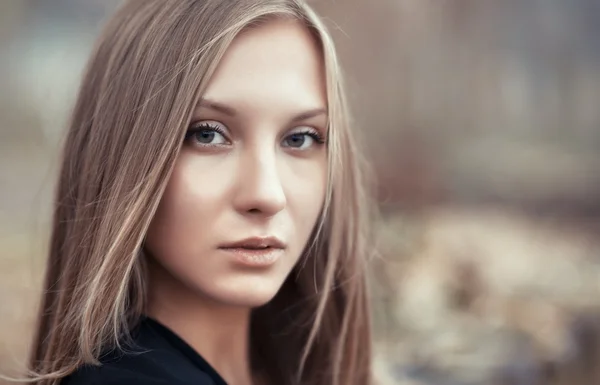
x,y
148,70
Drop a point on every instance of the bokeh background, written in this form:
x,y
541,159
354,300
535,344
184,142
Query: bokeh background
x,y
482,121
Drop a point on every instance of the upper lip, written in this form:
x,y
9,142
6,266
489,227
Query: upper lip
x,y
256,243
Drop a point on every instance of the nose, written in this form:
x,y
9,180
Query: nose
x,y
260,190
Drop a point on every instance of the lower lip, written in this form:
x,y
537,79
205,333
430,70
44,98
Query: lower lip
x,y
255,257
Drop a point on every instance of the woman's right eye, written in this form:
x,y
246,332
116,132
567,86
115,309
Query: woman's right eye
x,y
206,134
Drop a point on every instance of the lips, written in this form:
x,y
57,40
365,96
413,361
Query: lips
x,y
255,243
257,252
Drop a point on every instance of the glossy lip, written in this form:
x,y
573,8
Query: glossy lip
x,y
256,243
255,252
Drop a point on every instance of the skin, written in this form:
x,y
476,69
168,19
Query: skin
x,y
262,177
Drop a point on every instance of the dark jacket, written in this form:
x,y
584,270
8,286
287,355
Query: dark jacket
x,y
159,357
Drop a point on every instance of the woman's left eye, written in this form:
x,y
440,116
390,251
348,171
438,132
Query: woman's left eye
x,y
302,140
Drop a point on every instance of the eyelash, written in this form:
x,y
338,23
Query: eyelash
x,y
198,127
195,128
316,135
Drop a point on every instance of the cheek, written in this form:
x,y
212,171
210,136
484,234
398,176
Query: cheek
x,y
187,209
306,189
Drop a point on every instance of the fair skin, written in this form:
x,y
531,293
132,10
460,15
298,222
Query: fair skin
x,y
252,166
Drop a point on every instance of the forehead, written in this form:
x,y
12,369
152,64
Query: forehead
x,y
276,63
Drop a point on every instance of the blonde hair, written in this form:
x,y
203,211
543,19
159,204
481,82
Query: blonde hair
x,y
149,68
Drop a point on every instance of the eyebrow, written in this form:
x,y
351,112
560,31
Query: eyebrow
x,y
217,107
230,111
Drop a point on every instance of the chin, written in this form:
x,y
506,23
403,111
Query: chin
x,y
250,293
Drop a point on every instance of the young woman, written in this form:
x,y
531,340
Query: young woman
x,y
210,221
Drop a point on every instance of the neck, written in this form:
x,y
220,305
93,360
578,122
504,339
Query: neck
x,y
219,333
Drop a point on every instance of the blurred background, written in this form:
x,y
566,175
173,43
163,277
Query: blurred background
x,y
482,121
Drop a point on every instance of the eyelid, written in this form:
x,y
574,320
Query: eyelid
x,y
305,129
308,130
195,124
210,124
214,125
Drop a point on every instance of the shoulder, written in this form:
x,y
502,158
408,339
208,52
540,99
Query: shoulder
x,y
155,356
108,374
136,369
153,366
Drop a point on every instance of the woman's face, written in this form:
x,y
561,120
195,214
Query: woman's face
x,y
250,181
